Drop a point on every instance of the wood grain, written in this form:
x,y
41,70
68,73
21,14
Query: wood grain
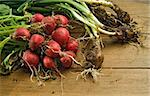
x,y
118,55
114,82
126,69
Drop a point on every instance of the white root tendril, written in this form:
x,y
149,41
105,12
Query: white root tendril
x,y
94,73
40,83
45,77
78,63
32,72
64,54
61,75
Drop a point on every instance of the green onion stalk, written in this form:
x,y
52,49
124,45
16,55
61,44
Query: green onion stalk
x,y
103,2
86,20
81,12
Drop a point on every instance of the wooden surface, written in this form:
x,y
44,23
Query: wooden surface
x,y
126,69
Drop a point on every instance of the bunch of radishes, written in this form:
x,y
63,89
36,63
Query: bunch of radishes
x,y
52,45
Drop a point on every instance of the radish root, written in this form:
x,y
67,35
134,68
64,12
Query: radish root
x,y
93,72
64,54
61,75
40,83
32,72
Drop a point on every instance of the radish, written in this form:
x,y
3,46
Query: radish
x,y
72,45
52,46
61,20
37,18
66,61
48,62
22,33
49,24
61,35
31,58
35,41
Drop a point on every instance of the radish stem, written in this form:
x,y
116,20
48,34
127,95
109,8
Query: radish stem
x,y
3,43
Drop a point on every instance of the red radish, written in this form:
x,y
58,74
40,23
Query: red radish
x,y
66,61
49,24
61,35
52,46
31,58
22,33
72,45
35,41
48,62
61,20
37,18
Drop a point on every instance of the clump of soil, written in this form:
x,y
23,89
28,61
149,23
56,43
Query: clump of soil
x,y
93,54
90,49
117,20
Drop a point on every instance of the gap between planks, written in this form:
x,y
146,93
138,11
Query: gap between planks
x,y
126,68
80,69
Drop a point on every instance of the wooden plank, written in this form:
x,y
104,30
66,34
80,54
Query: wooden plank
x,y
119,82
134,7
118,55
138,9
112,82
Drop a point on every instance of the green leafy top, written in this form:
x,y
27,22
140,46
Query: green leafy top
x,y
4,9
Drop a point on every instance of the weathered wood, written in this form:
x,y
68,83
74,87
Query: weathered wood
x,y
118,55
130,76
126,56
118,82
